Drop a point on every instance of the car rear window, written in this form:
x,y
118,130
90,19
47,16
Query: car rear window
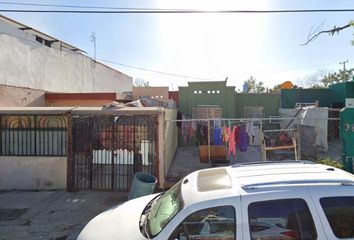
x,y
340,215
281,219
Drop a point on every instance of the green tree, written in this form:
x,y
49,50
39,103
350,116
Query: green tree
x,y
276,88
323,78
252,86
336,77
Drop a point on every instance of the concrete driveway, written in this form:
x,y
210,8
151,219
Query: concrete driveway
x,y
51,214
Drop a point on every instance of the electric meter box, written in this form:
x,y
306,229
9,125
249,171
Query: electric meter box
x,y
347,136
349,102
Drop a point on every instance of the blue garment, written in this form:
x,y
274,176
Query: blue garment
x,y
242,140
217,136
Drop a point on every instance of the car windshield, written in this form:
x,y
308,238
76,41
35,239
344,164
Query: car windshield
x,y
164,209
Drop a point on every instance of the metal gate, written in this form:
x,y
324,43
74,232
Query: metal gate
x,y
108,150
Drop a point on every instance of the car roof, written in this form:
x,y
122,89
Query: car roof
x,y
242,179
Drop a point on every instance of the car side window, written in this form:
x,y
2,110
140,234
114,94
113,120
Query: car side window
x,y
217,223
340,215
282,219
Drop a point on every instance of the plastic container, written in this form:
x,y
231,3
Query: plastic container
x,y
143,184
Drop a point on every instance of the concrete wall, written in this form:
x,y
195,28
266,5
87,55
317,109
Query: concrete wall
x,y
76,102
21,97
269,101
171,138
25,62
159,93
289,97
161,149
207,93
31,173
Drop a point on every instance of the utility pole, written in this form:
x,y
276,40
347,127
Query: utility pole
x,y
344,62
93,39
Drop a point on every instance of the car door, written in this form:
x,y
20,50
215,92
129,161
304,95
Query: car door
x,y
335,206
209,220
280,214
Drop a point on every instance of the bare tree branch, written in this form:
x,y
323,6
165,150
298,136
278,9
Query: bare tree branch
x,y
312,36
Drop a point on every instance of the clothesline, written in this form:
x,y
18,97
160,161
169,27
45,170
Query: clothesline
x,y
243,119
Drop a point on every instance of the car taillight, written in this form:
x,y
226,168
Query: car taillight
x,y
290,234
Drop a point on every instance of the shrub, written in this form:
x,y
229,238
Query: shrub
x,y
330,162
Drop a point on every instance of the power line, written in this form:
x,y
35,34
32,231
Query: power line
x,y
159,72
77,6
160,10
177,11
185,76
180,75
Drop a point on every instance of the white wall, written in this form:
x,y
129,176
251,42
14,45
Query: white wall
x,y
27,63
31,173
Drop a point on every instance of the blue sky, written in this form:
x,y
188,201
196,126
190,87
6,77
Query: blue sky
x,y
213,46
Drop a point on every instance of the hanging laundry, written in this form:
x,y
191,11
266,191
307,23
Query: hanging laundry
x,y
204,135
233,141
217,123
243,139
191,133
179,118
226,134
185,129
217,136
250,129
194,127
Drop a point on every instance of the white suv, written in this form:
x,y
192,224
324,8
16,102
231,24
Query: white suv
x,y
264,200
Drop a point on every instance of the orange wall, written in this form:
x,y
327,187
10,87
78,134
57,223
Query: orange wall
x,y
20,97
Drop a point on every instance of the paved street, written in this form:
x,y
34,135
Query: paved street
x,y
55,215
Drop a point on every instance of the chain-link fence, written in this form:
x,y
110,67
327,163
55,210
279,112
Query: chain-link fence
x,y
249,140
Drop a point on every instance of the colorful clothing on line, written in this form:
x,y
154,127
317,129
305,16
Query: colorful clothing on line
x,y
243,140
226,134
233,141
217,136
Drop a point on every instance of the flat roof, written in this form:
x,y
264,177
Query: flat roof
x,y
33,31
79,110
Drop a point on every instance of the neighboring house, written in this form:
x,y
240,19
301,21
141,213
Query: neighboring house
x,y
158,93
223,101
199,95
257,105
36,61
334,96
79,148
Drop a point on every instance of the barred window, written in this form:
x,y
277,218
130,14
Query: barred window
x,y
33,135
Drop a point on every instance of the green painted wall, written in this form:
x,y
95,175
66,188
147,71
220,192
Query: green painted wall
x,y
289,97
341,91
232,103
336,93
270,102
206,93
